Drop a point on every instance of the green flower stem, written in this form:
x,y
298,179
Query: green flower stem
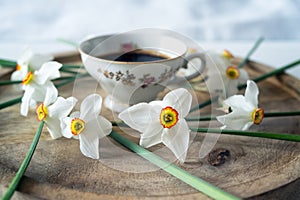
x,y
201,118
15,182
255,46
205,103
67,70
9,82
7,63
71,67
195,182
266,114
10,63
277,136
69,80
63,78
19,99
10,102
272,73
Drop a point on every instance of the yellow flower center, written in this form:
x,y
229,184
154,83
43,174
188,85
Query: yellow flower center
x,y
227,54
258,115
41,112
27,78
232,72
77,126
168,117
18,67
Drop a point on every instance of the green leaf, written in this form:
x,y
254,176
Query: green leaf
x,y
195,182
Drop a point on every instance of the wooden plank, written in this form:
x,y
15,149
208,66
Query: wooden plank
x,y
59,171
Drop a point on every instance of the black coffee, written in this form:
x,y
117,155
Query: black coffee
x,y
135,56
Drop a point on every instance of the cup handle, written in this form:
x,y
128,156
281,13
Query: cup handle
x,y
187,59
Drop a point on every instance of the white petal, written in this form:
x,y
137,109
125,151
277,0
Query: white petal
x,y
17,75
152,135
140,116
37,60
231,87
62,107
179,99
251,93
239,103
218,60
41,90
53,126
243,76
50,96
90,107
47,72
177,139
235,120
105,126
216,84
65,125
100,126
26,100
26,56
75,114
247,126
32,103
89,142
158,103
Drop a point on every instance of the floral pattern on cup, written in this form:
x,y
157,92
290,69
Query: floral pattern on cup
x,y
147,80
128,78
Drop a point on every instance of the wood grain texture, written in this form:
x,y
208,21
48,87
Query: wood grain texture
x,y
59,171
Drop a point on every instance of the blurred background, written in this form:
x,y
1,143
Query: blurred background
x,y
214,23
36,20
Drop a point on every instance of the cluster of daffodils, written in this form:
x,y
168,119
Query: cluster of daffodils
x,y
38,85
87,125
29,62
37,73
158,121
164,121
242,111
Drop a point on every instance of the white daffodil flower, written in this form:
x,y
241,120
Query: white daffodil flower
x,y
225,76
29,62
162,121
38,84
244,110
87,126
51,114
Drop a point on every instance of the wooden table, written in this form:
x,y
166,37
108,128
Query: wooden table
x,y
59,171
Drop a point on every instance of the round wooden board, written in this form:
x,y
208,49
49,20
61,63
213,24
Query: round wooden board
x,y
59,171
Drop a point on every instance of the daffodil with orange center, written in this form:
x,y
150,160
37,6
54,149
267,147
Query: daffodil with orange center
x,y
162,121
244,110
38,84
29,62
223,76
87,126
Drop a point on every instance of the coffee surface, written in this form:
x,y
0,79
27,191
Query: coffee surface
x,y
135,56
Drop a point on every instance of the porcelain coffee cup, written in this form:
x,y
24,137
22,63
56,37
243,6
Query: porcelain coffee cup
x,y
135,66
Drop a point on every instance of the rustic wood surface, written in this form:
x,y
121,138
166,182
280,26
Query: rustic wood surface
x,y
256,168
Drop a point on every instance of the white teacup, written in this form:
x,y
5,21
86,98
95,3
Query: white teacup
x,y
135,66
